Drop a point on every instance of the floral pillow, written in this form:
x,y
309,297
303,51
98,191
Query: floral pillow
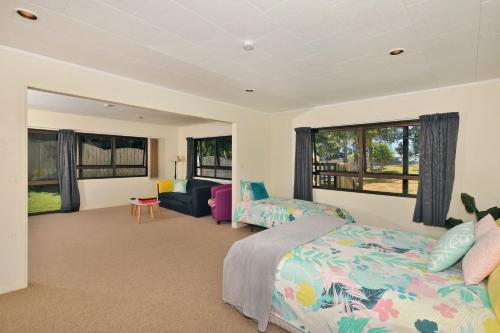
x,y
246,191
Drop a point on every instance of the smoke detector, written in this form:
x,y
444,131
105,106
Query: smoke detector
x,y
248,45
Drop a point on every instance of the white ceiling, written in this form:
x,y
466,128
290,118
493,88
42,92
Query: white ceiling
x,y
308,52
47,101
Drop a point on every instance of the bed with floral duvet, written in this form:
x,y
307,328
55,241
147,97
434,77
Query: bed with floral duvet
x,y
360,279
274,211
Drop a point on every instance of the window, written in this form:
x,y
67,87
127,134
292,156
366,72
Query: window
x,y
108,156
213,157
373,158
43,185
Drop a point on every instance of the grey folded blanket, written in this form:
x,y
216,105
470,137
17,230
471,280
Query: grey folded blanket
x,y
250,265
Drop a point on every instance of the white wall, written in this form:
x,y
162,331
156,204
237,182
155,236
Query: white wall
x,y
281,154
97,193
477,163
20,70
206,130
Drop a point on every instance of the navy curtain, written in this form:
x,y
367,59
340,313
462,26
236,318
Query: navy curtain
x,y
302,186
191,158
66,168
438,144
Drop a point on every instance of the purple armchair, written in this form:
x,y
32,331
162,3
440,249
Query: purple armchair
x,y
222,210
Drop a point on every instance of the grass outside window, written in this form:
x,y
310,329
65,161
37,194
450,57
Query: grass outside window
x,y
43,199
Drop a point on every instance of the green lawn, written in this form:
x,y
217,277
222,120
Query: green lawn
x,y
412,168
43,199
392,185
389,185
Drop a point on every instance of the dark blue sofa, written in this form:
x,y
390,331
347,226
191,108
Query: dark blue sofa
x,y
194,202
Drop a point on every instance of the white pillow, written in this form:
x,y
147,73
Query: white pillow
x,y
180,185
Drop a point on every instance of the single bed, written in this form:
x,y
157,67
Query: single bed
x,y
271,212
362,279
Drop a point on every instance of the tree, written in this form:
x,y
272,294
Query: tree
x,y
382,153
388,136
414,138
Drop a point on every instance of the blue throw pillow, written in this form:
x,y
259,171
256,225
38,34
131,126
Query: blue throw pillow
x,y
259,191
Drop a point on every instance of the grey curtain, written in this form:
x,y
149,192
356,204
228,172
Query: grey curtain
x,y
191,158
438,144
302,186
68,184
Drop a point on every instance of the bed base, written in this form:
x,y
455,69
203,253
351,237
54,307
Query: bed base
x,y
283,324
254,227
272,319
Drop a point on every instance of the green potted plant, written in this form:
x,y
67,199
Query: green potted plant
x,y
471,208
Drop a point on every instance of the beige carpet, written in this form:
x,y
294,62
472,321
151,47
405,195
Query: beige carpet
x,y
99,271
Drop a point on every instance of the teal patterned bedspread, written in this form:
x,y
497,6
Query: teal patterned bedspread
x,y
360,279
274,211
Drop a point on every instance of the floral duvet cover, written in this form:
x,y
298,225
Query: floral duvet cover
x,y
361,279
274,211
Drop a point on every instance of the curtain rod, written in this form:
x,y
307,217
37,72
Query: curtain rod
x,y
88,132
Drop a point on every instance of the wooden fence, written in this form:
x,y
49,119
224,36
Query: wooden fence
x,y
42,159
335,182
93,155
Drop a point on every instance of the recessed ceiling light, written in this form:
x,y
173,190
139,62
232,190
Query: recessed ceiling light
x,y
27,14
109,105
396,52
248,45
249,90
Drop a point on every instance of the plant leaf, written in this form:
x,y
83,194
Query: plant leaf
x,y
452,222
469,203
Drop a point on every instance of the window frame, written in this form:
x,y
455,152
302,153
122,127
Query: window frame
x,y
80,167
217,158
362,173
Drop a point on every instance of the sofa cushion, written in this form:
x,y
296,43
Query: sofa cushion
x,y
192,183
183,198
